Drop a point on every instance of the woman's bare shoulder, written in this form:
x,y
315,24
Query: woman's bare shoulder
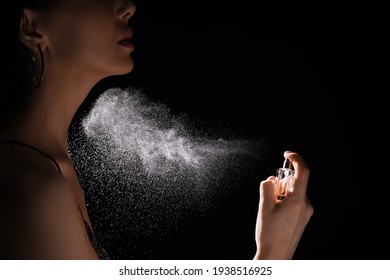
x,y
39,211
16,159
24,171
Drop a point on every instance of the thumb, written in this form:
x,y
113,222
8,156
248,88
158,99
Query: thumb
x,y
267,194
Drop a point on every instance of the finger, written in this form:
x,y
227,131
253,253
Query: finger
x,y
301,172
267,194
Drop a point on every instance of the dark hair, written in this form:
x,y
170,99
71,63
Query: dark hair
x,y
11,18
12,67
36,4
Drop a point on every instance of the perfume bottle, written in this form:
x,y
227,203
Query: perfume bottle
x,y
284,180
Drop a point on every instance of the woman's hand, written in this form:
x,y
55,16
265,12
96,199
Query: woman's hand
x,y
280,224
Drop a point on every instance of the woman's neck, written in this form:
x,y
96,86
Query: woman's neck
x,y
44,118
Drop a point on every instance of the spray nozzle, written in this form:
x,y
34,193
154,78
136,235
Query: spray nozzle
x,y
287,161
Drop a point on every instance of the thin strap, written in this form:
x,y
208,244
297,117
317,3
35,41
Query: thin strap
x,y
56,164
35,149
85,222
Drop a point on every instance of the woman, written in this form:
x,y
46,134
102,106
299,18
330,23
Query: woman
x,y
63,48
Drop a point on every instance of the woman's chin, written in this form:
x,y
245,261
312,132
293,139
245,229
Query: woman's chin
x,y
120,71
126,69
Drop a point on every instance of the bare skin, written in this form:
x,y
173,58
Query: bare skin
x,y
280,224
39,206
79,39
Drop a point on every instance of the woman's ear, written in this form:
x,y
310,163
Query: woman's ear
x,y
28,33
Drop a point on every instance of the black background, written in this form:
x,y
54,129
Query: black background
x,y
299,76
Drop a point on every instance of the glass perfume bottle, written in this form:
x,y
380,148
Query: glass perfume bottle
x,y
284,180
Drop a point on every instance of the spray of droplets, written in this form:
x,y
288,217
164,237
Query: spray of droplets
x,y
148,175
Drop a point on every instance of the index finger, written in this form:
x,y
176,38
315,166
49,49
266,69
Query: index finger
x,y
301,171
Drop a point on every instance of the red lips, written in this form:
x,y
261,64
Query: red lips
x,y
125,40
127,35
